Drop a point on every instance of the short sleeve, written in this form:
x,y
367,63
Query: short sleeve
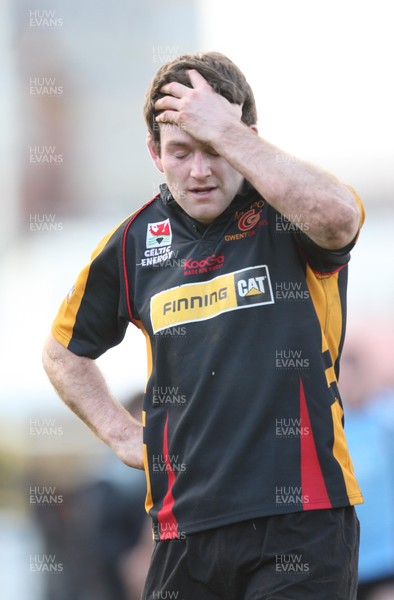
x,y
320,259
92,318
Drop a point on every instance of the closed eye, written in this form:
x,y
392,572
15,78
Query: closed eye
x,y
209,150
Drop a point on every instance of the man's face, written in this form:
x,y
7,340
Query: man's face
x,y
202,182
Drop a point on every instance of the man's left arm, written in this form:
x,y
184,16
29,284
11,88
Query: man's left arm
x,y
305,194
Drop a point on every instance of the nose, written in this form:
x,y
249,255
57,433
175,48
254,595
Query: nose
x,y
201,166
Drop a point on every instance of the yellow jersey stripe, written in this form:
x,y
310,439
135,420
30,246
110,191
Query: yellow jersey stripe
x,y
341,453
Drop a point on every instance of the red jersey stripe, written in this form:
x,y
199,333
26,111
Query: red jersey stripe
x,y
312,481
168,525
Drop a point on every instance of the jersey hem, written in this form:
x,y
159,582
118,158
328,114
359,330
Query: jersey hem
x,y
60,337
185,529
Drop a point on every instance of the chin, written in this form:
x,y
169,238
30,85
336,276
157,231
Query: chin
x,y
205,218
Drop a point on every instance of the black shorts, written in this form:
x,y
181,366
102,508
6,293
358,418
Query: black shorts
x,y
311,555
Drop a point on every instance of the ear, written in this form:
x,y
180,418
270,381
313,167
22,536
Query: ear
x,y
153,151
254,128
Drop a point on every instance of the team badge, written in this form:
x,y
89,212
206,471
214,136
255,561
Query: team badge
x,y
249,220
159,234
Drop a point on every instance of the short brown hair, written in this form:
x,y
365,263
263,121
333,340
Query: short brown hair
x,y
220,72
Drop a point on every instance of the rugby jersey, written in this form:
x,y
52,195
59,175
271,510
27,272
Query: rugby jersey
x,y
244,323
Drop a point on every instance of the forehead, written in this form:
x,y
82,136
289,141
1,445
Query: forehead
x,y
173,135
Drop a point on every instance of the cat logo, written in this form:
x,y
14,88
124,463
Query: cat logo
x,y
252,286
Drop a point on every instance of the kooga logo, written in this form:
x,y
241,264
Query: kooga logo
x,y
193,266
200,301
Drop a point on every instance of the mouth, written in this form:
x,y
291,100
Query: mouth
x,y
202,191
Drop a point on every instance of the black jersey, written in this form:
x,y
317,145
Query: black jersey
x,y
244,323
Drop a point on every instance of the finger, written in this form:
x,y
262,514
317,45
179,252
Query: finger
x,y
196,79
167,103
174,88
168,116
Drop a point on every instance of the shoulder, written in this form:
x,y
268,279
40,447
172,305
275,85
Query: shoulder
x,y
133,222
152,211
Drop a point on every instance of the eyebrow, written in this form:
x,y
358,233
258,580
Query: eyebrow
x,y
174,145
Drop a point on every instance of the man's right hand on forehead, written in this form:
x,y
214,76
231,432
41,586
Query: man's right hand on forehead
x,y
200,111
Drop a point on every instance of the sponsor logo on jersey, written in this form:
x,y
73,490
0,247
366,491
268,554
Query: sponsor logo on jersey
x,y
193,302
159,234
197,266
157,257
247,222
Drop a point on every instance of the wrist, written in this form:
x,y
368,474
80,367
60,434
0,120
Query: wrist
x,y
126,442
231,136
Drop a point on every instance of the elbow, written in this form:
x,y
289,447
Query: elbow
x,y
56,357
344,230
342,226
52,356
47,357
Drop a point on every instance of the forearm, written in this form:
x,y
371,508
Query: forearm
x,y
82,387
306,195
